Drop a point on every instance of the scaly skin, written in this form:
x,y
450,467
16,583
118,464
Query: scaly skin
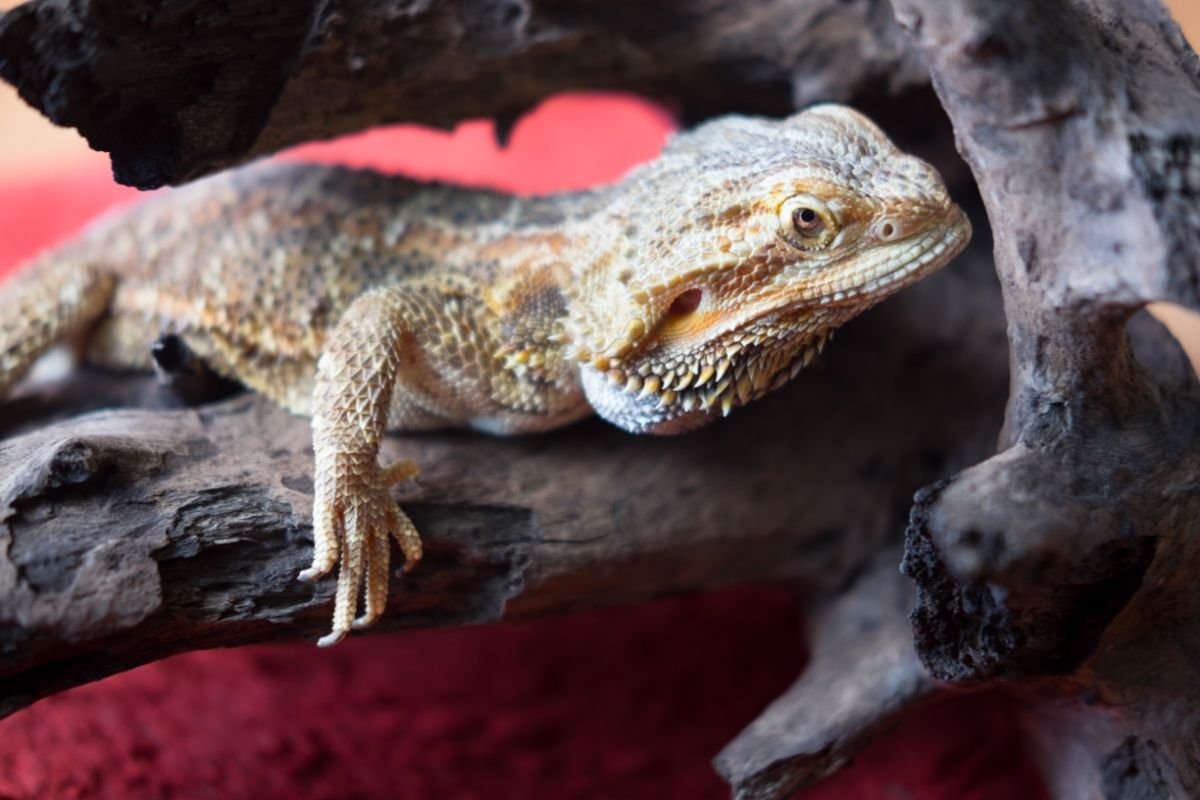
x,y
695,285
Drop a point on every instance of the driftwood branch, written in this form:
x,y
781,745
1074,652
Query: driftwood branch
x,y
863,673
1081,124
258,75
1061,562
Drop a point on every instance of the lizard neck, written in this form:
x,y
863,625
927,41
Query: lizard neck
x,y
526,257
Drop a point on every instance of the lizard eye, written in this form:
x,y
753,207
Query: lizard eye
x,y
806,222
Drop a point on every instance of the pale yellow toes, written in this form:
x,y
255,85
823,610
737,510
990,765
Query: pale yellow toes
x,y
375,596
354,516
408,539
327,535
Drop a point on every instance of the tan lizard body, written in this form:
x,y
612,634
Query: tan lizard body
x,y
698,283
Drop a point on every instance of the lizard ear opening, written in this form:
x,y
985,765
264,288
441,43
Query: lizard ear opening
x,y
685,318
686,303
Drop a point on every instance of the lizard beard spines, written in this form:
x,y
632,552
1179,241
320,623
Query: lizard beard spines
x,y
675,394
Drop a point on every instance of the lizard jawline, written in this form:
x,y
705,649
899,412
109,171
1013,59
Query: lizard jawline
x,y
660,400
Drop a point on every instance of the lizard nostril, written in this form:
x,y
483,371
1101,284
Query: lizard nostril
x,y
885,230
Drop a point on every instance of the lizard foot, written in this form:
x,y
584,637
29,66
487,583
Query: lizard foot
x,y
353,515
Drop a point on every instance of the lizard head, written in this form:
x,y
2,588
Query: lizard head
x,y
737,254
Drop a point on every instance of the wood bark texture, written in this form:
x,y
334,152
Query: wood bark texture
x,y
179,90
1053,540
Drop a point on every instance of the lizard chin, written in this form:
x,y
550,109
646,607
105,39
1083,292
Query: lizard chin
x,y
636,414
692,392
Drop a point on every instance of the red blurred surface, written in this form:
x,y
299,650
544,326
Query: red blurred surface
x,y
627,704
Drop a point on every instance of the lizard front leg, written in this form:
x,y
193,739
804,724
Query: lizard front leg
x,y
353,512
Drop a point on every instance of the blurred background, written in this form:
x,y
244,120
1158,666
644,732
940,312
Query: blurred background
x,y
626,703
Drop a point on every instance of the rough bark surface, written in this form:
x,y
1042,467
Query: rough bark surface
x,y
1061,562
179,90
1072,551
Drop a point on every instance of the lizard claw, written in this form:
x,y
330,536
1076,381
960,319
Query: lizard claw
x,y
309,575
353,519
330,639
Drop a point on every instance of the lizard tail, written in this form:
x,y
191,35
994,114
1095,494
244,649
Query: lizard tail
x,y
47,303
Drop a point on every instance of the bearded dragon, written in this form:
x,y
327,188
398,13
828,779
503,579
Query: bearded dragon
x,y
696,284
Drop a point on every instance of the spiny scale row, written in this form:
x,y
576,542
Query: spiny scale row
x,y
721,385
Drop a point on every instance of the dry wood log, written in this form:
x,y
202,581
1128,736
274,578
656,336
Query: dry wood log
x,y
1061,565
175,91
1081,123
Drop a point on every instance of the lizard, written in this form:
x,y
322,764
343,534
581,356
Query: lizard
x,y
697,283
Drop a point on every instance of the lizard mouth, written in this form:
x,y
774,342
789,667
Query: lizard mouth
x,y
892,268
922,256
745,365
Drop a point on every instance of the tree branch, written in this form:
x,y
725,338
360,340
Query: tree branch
x,y
257,76
1066,520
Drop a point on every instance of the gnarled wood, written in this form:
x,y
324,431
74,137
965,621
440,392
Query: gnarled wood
x,y
257,75
1063,565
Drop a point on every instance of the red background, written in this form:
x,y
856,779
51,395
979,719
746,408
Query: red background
x,y
630,703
